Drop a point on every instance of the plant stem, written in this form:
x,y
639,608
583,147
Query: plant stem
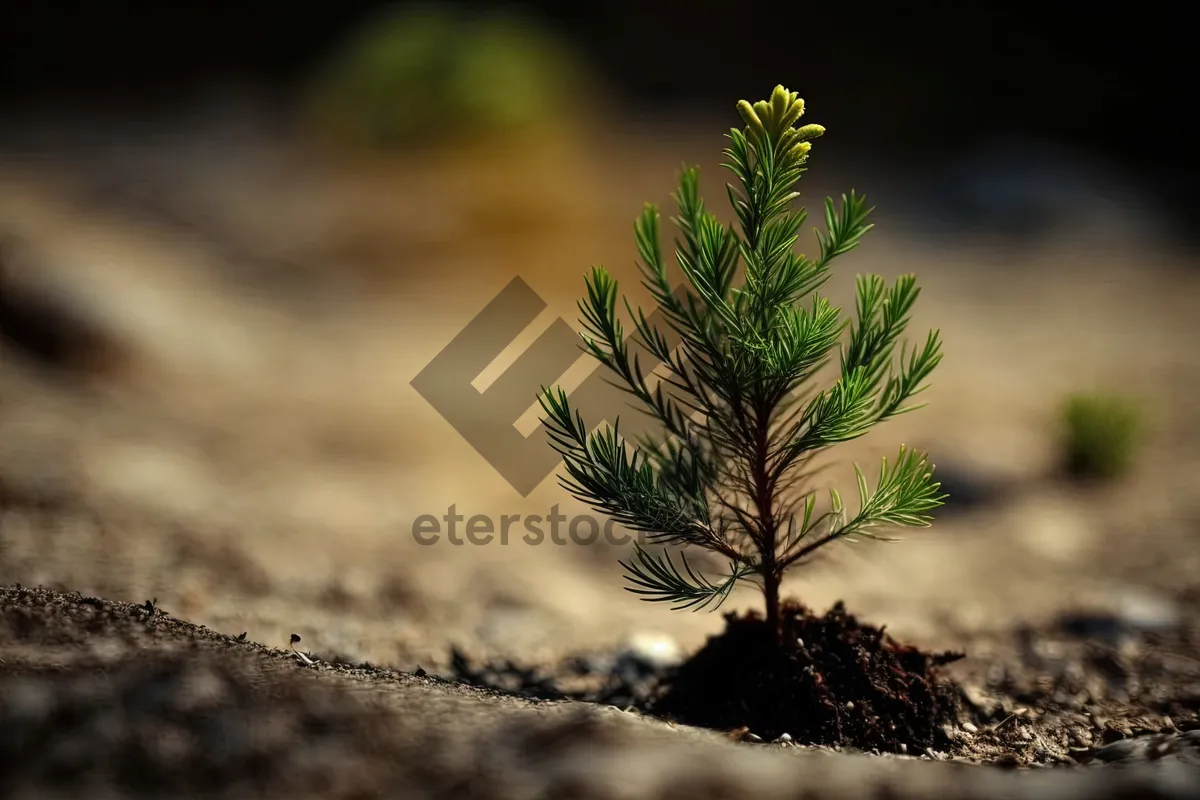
x,y
764,494
771,592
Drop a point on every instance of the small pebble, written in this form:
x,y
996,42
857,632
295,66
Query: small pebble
x,y
1161,748
1146,611
969,727
849,705
652,650
784,738
1117,751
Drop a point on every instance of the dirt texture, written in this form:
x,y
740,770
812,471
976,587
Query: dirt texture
x,y
830,681
111,699
208,334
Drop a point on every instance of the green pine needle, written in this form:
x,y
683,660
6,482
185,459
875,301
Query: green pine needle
x,y
740,417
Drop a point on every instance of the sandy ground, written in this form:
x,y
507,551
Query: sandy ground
x,y
254,455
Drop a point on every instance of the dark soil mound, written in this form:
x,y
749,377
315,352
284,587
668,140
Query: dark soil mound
x,y
833,681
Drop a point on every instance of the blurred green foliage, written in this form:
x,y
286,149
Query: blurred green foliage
x,y
1101,432
421,73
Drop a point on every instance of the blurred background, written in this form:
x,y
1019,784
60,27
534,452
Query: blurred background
x,y
232,235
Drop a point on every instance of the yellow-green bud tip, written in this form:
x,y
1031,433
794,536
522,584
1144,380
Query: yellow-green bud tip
x,y
748,114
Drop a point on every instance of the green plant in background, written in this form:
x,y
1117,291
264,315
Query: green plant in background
x,y
742,344
432,72
1101,434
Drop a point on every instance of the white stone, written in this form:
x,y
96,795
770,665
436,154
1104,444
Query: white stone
x,y
653,649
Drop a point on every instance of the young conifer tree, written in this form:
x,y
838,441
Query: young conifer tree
x,y
742,342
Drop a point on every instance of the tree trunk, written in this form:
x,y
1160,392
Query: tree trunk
x,y
771,592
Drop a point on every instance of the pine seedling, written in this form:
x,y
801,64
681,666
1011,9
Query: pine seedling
x,y
741,419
